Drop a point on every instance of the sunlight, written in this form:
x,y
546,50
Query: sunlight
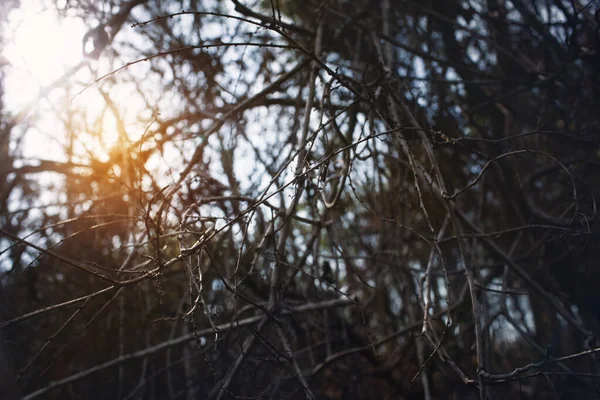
x,y
41,48
41,45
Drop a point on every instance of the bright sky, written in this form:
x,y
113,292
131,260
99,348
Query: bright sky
x,y
40,49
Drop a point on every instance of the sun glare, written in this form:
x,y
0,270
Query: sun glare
x,y
41,45
40,49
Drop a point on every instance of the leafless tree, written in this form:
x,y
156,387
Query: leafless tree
x,y
310,199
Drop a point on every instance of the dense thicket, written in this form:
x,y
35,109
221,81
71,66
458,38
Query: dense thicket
x,y
310,199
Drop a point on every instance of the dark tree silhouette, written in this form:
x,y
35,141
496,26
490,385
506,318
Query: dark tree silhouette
x,y
309,199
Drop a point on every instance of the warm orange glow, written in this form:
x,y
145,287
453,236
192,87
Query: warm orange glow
x,y
42,50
